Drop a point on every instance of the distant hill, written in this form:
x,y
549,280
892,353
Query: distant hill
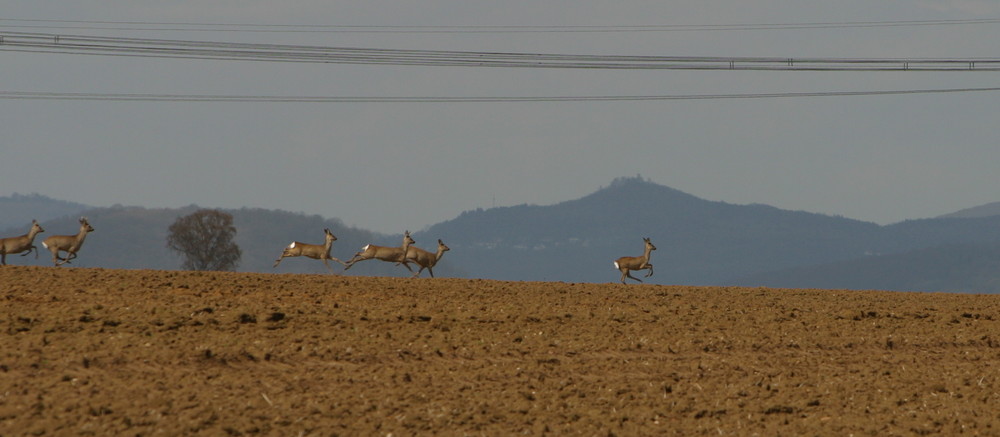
x,y
700,242
959,268
17,211
135,238
987,210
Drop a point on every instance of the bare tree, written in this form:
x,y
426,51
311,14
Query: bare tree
x,y
205,238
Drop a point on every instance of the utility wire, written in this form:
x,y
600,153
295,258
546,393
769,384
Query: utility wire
x,y
184,49
310,28
145,97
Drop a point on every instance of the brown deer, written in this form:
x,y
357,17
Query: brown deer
x,y
628,263
383,253
26,242
314,251
67,243
425,259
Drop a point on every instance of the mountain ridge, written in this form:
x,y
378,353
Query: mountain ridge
x,y
613,220
987,210
19,209
700,242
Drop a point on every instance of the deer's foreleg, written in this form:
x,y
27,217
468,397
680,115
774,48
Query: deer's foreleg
x,y
339,261
28,252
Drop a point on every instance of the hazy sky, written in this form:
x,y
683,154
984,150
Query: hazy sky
x,y
394,166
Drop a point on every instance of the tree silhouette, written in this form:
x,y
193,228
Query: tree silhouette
x,y
205,238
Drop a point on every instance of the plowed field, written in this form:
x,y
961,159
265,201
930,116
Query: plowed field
x,y
116,352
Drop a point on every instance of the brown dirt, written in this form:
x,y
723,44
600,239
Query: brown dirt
x,y
116,352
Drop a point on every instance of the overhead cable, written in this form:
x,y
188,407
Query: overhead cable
x,y
335,28
149,97
164,48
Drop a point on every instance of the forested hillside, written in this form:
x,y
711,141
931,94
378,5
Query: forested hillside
x,y
716,243
961,268
699,242
17,210
135,238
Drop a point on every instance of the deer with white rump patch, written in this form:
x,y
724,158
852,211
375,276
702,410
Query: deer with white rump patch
x,y
425,259
628,263
314,251
383,253
67,243
12,245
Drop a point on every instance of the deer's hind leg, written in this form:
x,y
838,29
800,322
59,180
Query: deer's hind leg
x,y
626,273
327,264
55,256
69,256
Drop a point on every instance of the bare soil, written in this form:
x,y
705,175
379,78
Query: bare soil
x,y
140,352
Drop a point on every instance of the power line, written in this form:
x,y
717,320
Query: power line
x,y
186,49
311,28
146,97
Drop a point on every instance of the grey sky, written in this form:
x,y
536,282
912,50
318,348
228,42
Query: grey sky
x,y
394,166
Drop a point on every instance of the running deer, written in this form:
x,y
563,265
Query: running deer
x,y
314,251
383,253
628,263
26,242
425,259
67,243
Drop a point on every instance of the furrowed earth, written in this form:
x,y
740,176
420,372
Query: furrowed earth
x,y
140,352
